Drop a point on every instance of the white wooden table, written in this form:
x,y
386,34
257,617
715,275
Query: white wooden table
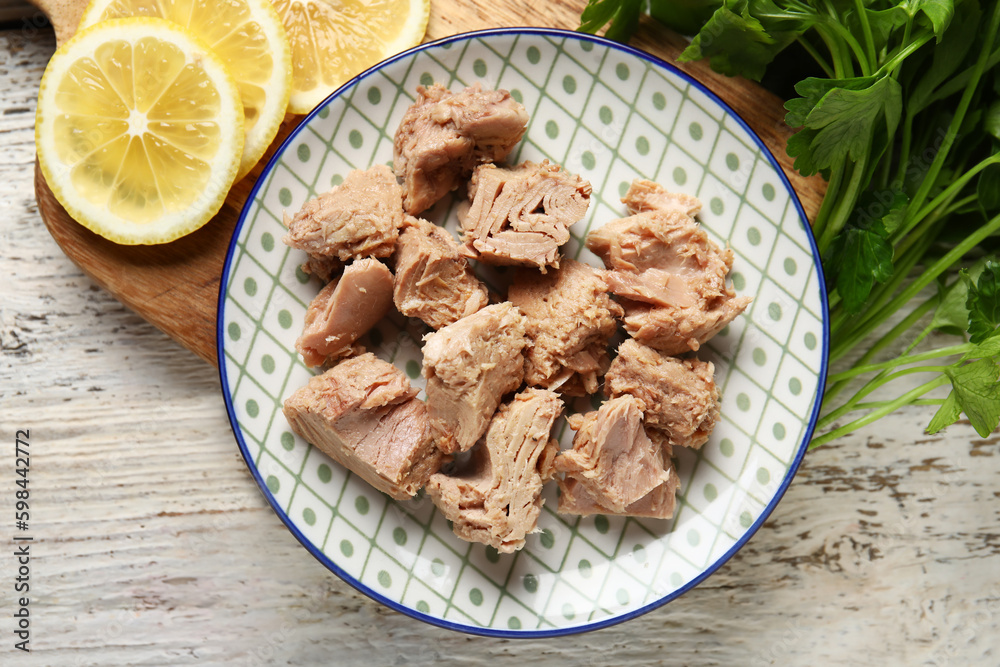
x,y
152,545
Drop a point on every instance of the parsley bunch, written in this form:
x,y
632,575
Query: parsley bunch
x,y
902,118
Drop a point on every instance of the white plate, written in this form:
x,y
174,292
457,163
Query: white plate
x,y
611,114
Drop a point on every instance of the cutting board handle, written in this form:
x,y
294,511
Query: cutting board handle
x,y
64,15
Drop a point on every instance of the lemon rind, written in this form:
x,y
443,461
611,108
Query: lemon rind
x,y
225,165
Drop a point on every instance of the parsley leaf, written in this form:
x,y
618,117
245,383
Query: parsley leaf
x,y
949,413
983,302
977,391
623,15
939,12
684,16
991,122
951,315
841,125
743,36
862,255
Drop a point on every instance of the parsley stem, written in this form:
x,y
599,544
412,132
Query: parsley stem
x,y
888,338
817,56
883,378
866,30
944,197
923,280
875,415
956,122
844,205
899,361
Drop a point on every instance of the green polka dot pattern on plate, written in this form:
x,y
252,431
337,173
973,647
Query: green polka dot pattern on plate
x,y
250,287
710,492
426,79
267,363
621,71
774,311
253,409
399,535
284,319
309,516
732,162
267,241
588,160
531,583
374,95
768,191
234,331
384,580
726,447
716,206
285,197
304,152
479,67
694,129
659,101
790,266
642,146
534,55
355,139
287,441
551,129
273,485
324,473
795,386
680,176
361,505
476,596
605,114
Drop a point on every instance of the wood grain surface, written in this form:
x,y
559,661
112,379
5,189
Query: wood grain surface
x,y
152,545
175,286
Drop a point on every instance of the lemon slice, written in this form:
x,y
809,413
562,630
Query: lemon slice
x,y
139,130
248,36
335,40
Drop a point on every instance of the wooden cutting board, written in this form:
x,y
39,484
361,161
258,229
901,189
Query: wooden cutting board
x,y
175,286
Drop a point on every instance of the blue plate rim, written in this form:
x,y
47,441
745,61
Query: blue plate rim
x,y
474,629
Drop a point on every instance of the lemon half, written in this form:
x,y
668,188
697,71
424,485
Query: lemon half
x,y
335,40
248,36
139,130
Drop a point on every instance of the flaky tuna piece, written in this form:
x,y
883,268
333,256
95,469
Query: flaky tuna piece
x,y
496,500
358,218
363,414
644,196
433,281
469,366
444,135
612,457
522,215
671,279
659,503
679,397
345,310
570,319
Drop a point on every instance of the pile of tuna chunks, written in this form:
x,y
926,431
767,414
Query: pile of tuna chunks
x,y
496,367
